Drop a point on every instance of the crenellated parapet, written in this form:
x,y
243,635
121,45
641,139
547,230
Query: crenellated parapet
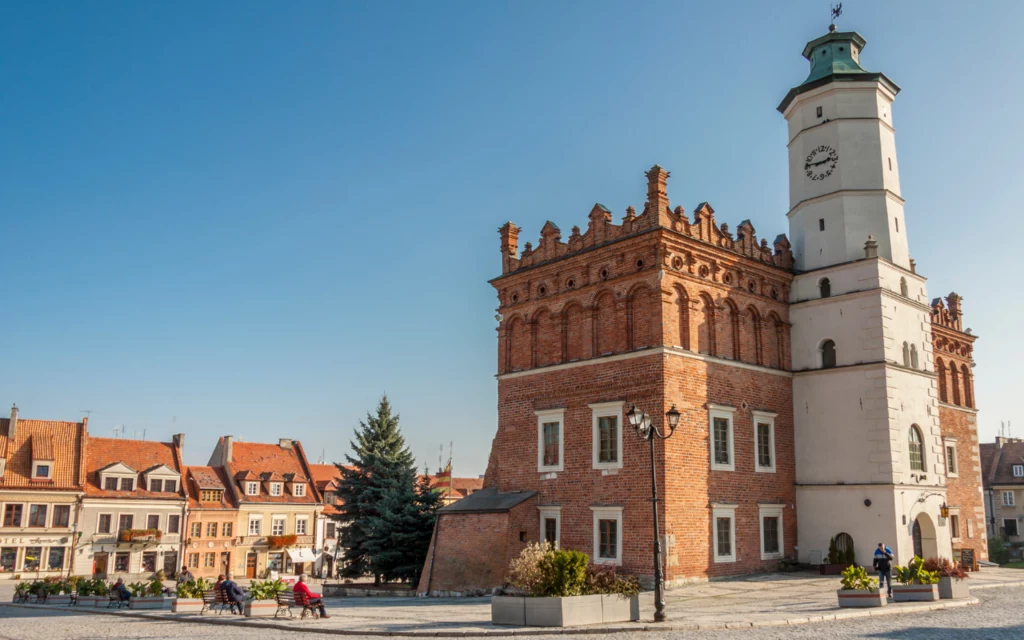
x,y
948,312
657,212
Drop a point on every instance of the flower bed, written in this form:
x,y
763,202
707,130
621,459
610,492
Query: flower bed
x,y
277,542
952,578
562,589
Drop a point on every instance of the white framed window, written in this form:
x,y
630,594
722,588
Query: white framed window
x,y
275,488
551,525
607,535
720,428
764,441
301,526
550,440
606,435
277,526
42,469
252,489
952,468
1018,471
1007,498
723,531
298,490
255,525
772,544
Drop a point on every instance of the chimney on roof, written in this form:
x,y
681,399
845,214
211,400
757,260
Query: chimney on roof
x,y
14,422
178,440
227,449
285,443
1001,440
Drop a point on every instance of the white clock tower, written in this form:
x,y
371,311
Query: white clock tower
x,y
869,454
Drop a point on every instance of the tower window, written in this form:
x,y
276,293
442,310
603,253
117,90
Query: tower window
x,y
828,354
825,287
897,224
819,112
890,159
821,224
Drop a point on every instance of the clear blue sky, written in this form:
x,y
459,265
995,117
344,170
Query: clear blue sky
x,y
258,217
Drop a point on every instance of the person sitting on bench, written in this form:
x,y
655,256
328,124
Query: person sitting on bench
x,y
313,599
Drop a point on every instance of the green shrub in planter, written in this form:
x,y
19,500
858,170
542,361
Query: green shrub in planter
x,y
563,573
915,573
857,579
267,590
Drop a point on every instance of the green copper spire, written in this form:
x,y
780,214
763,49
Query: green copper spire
x,y
835,57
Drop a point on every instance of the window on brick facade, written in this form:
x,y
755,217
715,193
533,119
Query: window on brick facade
x,y
550,524
1010,526
723,519
771,531
1007,498
951,467
721,428
607,435
607,535
764,441
954,526
916,448
1018,471
828,354
825,287
550,440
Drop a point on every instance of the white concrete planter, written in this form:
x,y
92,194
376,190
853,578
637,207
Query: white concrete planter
x,y
574,611
186,605
260,608
857,598
91,601
142,604
63,600
951,589
915,592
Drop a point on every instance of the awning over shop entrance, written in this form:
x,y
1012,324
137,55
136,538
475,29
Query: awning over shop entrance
x,y
302,555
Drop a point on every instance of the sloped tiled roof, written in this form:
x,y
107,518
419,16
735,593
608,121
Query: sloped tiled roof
x,y
272,461
42,447
460,487
62,441
136,454
1000,468
200,478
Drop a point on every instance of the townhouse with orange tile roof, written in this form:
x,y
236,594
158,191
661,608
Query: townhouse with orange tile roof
x,y
278,506
212,533
42,472
133,512
326,477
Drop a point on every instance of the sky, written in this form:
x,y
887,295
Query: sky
x,y
255,218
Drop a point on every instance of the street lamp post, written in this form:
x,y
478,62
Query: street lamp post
x,y
645,428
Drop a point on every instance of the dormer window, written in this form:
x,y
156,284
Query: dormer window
x,y
156,486
41,470
110,484
275,488
127,484
1018,471
252,489
211,495
299,490
170,486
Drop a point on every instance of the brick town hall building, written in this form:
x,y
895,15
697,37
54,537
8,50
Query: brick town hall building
x,y
822,396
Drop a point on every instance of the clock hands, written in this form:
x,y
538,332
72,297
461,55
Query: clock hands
x,y
814,164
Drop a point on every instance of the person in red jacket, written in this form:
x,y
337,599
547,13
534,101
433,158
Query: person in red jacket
x,y
315,599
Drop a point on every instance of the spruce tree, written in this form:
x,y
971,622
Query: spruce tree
x,y
375,494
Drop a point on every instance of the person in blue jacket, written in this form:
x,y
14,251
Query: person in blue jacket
x,y
883,565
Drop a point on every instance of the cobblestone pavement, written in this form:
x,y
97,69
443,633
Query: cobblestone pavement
x,y
999,616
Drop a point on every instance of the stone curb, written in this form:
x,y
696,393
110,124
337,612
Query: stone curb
x,y
547,631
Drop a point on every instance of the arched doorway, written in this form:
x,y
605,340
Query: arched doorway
x,y
924,536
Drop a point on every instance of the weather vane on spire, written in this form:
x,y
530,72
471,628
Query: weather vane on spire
x,y
837,11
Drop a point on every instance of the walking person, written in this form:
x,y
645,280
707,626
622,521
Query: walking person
x,y
883,565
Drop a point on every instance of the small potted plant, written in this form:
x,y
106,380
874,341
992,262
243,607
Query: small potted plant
x,y
262,600
952,578
147,595
190,596
859,589
837,561
916,583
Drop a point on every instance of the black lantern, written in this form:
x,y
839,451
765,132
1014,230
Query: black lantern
x,y
944,510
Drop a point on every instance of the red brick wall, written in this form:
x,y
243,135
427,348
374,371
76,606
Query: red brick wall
x,y
962,491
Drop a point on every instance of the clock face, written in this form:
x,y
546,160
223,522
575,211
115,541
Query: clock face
x,y
821,162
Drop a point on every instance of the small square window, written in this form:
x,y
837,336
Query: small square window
x,y
1018,471
42,471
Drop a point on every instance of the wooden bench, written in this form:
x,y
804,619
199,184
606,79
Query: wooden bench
x,y
217,600
41,595
21,597
288,599
115,600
